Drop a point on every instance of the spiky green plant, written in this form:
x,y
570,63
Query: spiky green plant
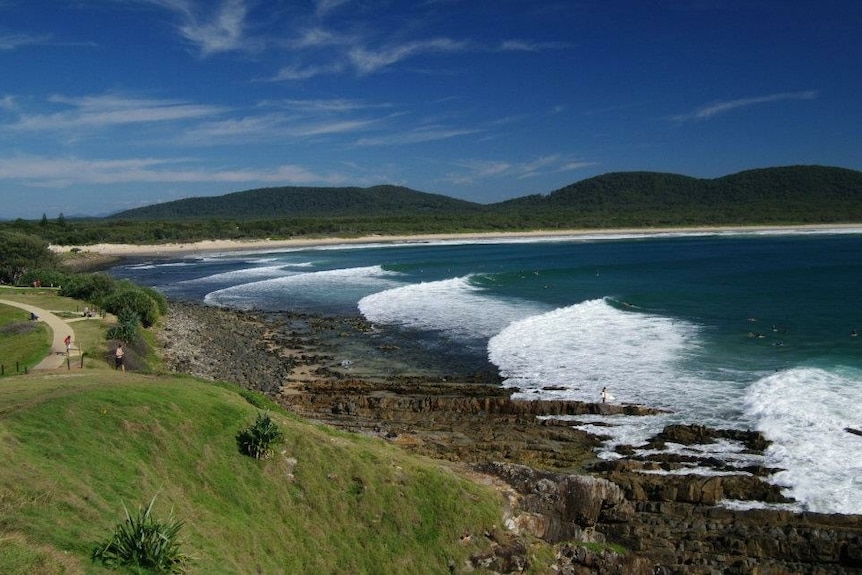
x,y
258,440
143,541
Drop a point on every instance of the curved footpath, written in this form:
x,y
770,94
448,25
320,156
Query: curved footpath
x,y
61,329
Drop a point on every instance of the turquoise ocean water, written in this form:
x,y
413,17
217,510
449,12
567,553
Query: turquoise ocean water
x,y
751,331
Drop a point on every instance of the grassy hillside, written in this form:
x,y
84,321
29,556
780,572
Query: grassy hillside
x,y
77,447
79,444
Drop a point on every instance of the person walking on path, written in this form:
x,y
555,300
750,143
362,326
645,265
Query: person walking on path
x,y
68,342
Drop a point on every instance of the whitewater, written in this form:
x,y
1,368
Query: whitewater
x,y
729,330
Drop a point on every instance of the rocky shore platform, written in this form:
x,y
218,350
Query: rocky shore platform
x,y
637,514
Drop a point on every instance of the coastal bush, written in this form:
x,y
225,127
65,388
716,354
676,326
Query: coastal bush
x,y
45,276
157,296
143,541
259,439
20,253
88,287
132,297
127,327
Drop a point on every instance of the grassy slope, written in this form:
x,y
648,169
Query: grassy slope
x,y
79,445
83,445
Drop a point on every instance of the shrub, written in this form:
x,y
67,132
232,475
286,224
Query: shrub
x,y
20,253
127,326
134,298
258,440
142,541
88,287
45,276
158,297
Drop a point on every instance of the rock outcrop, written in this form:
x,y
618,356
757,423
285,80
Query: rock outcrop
x,y
674,535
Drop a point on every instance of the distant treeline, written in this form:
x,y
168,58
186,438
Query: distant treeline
x,y
788,195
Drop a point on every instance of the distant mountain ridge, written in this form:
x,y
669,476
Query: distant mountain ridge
x,y
793,193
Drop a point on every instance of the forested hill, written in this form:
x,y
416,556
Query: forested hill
x,y
778,196
304,202
797,194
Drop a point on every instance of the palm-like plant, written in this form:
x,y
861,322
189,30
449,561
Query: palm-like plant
x,y
143,541
258,440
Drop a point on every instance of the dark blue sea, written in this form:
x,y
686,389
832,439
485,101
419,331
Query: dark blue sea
x,y
729,329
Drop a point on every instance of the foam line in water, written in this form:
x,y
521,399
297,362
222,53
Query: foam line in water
x,y
345,283
154,265
454,306
245,275
804,412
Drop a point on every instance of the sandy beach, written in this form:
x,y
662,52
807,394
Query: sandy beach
x,y
215,246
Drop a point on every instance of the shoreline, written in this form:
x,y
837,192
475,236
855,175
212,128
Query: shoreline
x,y
216,246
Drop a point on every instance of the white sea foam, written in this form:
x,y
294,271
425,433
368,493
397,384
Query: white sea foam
x,y
155,265
338,285
573,352
590,345
249,274
453,305
804,412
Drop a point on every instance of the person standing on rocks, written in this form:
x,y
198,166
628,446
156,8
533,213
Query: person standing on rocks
x,y
606,397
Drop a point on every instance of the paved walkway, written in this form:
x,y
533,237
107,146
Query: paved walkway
x,y
58,326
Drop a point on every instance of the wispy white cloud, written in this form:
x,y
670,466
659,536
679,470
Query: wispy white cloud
x,y
297,72
15,41
212,27
221,31
416,136
324,105
61,172
575,165
367,61
289,119
530,46
474,171
714,109
317,37
271,127
324,7
111,110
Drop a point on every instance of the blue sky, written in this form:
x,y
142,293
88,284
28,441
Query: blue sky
x,y
111,104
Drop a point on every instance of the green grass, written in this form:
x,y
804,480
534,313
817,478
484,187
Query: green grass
x,y
79,448
45,298
23,343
